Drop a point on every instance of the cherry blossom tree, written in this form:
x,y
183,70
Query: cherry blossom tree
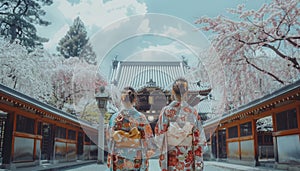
x,y
245,84
61,82
264,124
87,82
24,72
272,31
73,79
67,84
87,109
259,51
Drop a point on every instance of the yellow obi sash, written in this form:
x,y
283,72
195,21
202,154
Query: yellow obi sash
x,y
126,139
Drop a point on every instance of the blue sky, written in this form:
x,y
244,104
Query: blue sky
x,y
167,31
113,30
97,14
190,10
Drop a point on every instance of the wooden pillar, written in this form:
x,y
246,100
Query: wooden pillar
x,y
52,146
35,139
239,141
298,117
217,142
227,145
76,141
8,139
255,140
275,138
67,143
211,143
80,144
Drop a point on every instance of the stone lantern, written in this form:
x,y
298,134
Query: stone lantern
x,y
102,98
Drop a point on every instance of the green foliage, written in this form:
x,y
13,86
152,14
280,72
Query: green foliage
x,y
107,117
88,54
72,45
18,19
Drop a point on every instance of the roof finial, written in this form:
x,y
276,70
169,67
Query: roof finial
x,y
184,60
151,83
115,62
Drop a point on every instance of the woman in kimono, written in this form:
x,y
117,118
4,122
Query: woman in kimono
x,y
179,133
130,136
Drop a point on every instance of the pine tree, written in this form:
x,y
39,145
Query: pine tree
x,y
74,42
18,19
88,54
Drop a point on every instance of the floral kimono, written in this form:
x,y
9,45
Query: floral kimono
x,y
129,138
181,137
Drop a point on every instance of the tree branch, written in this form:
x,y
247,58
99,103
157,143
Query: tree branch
x,y
293,60
293,43
4,4
26,8
262,70
16,7
15,84
280,23
266,41
280,54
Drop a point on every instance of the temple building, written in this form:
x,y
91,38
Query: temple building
x,y
153,82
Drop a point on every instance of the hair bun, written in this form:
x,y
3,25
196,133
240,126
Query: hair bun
x,y
180,87
129,94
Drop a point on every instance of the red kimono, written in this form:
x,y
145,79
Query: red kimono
x,y
181,137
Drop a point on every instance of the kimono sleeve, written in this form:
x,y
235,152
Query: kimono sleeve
x,y
109,132
161,139
147,141
199,143
147,138
109,140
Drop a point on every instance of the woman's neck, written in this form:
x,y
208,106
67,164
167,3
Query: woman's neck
x,y
180,99
127,106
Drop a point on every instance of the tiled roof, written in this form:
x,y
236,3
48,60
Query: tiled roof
x,y
139,74
204,106
15,95
254,105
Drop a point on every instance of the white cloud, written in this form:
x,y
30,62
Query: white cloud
x,y
95,12
168,52
152,54
172,31
144,26
174,48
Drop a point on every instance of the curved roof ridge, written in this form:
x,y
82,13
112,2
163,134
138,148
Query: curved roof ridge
x,y
151,62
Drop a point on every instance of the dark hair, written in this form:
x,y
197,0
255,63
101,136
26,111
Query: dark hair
x,y
180,87
129,93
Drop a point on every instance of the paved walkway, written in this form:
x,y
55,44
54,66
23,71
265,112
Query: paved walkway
x,y
53,167
92,166
153,166
236,167
209,166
